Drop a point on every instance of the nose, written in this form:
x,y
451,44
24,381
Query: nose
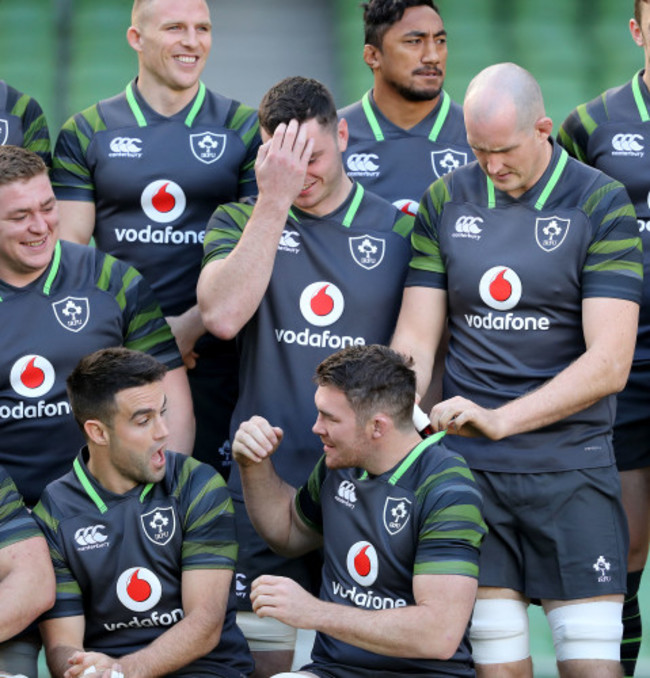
x,y
160,430
317,428
39,224
431,55
191,37
493,163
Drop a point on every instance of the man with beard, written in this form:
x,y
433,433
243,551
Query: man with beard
x,y
406,132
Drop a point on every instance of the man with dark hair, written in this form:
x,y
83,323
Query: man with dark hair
x,y
312,264
399,519
406,132
143,171
142,539
23,123
611,132
542,306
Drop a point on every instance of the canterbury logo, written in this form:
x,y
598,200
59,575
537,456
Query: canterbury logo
x,y
468,225
347,491
363,162
87,536
627,142
126,145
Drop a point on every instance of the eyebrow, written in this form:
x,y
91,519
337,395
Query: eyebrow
x,y
423,34
148,410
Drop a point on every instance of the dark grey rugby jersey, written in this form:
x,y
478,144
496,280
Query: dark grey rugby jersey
x,y
398,164
421,517
516,272
119,558
84,301
22,122
612,133
156,180
337,281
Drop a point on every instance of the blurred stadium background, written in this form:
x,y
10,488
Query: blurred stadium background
x,y
70,53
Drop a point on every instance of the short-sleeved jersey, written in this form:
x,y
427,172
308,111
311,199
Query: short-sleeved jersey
x,y
16,524
22,122
156,180
612,133
421,517
399,164
337,281
85,300
119,558
516,272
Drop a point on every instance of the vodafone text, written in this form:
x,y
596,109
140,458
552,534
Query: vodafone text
x,y
318,339
37,411
366,599
162,236
507,321
155,619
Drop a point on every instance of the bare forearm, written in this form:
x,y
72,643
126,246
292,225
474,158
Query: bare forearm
x,y
269,502
57,659
230,290
182,644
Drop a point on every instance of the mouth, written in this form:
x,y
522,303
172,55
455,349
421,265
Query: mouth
x,y
35,244
307,186
187,59
158,458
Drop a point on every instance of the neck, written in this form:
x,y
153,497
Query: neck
x,y
392,450
164,100
400,111
646,75
105,474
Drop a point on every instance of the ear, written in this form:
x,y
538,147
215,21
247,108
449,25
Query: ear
x,y
371,55
637,33
544,127
134,38
97,432
381,424
342,134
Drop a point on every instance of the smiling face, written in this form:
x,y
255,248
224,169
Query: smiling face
x,y
28,229
173,40
413,55
345,441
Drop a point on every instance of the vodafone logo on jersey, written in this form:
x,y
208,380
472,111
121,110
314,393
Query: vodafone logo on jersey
x,y
138,589
500,288
321,303
407,206
163,201
362,563
32,376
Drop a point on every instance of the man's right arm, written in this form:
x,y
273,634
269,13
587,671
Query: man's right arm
x,y
270,502
230,289
419,329
76,220
62,639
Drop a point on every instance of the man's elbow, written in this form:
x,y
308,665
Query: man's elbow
x,y
222,324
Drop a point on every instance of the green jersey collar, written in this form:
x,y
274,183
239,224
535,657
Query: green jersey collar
x,y
139,115
441,117
639,99
55,265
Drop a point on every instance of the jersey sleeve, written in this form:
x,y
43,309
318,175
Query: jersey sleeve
x,y
426,268
69,600
224,230
71,175
36,135
144,326
209,540
308,497
244,121
614,264
16,524
452,526
575,131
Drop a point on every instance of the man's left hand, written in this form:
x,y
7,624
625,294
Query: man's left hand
x,y
284,600
463,417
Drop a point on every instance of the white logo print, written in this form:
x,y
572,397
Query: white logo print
x,y
138,589
289,241
125,147
321,303
346,494
208,147
628,144
447,161
363,164
72,313
367,251
551,232
4,131
32,376
468,227
163,201
602,567
159,525
90,536
407,206
362,563
500,288
397,512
